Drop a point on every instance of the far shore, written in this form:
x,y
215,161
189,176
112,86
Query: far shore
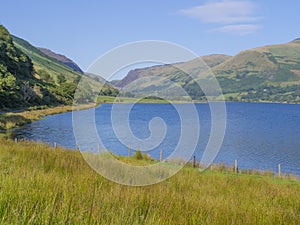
x,y
11,119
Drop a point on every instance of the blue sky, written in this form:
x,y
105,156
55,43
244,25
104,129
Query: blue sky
x,y
84,31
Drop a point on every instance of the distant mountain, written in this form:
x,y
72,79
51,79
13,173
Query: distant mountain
x,y
107,88
169,70
269,73
61,58
297,40
114,82
266,73
215,59
96,77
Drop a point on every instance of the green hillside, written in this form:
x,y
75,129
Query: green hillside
x,y
62,59
269,73
165,80
43,63
28,77
15,68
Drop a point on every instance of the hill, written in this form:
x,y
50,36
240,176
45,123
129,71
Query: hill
x,y
29,77
164,70
15,68
269,73
61,58
164,80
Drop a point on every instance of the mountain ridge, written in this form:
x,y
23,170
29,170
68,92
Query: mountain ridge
x,y
267,73
61,58
211,60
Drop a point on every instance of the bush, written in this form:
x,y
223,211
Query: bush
x,y
138,155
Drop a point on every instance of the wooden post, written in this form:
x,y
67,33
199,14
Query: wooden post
x,y
128,151
236,169
194,162
54,145
279,170
160,156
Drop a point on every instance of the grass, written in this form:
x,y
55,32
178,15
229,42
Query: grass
x,y
110,99
12,120
148,100
39,185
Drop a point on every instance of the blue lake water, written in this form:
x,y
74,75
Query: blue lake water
x,y
258,135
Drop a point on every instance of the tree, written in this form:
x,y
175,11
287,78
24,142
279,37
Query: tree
x,y
45,76
61,79
7,80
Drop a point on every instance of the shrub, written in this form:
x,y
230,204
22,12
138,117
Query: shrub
x,y
138,155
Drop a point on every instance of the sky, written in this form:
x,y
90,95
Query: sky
x,y
85,30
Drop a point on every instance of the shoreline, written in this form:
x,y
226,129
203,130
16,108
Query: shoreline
x,y
19,117
124,100
11,120
146,159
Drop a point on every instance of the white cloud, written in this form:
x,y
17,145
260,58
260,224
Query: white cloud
x,y
226,11
232,14
240,29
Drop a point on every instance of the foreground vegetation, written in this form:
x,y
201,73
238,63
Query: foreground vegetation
x,y
40,185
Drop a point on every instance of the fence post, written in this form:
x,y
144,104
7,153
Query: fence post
x,y
279,170
54,145
128,151
160,156
236,169
194,162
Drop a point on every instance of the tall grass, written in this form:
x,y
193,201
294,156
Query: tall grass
x,y
40,185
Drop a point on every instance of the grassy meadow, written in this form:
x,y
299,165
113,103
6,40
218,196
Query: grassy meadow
x,y
42,185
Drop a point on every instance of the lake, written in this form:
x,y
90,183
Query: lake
x,y
258,135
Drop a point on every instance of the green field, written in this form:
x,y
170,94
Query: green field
x,y
111,99
40,185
